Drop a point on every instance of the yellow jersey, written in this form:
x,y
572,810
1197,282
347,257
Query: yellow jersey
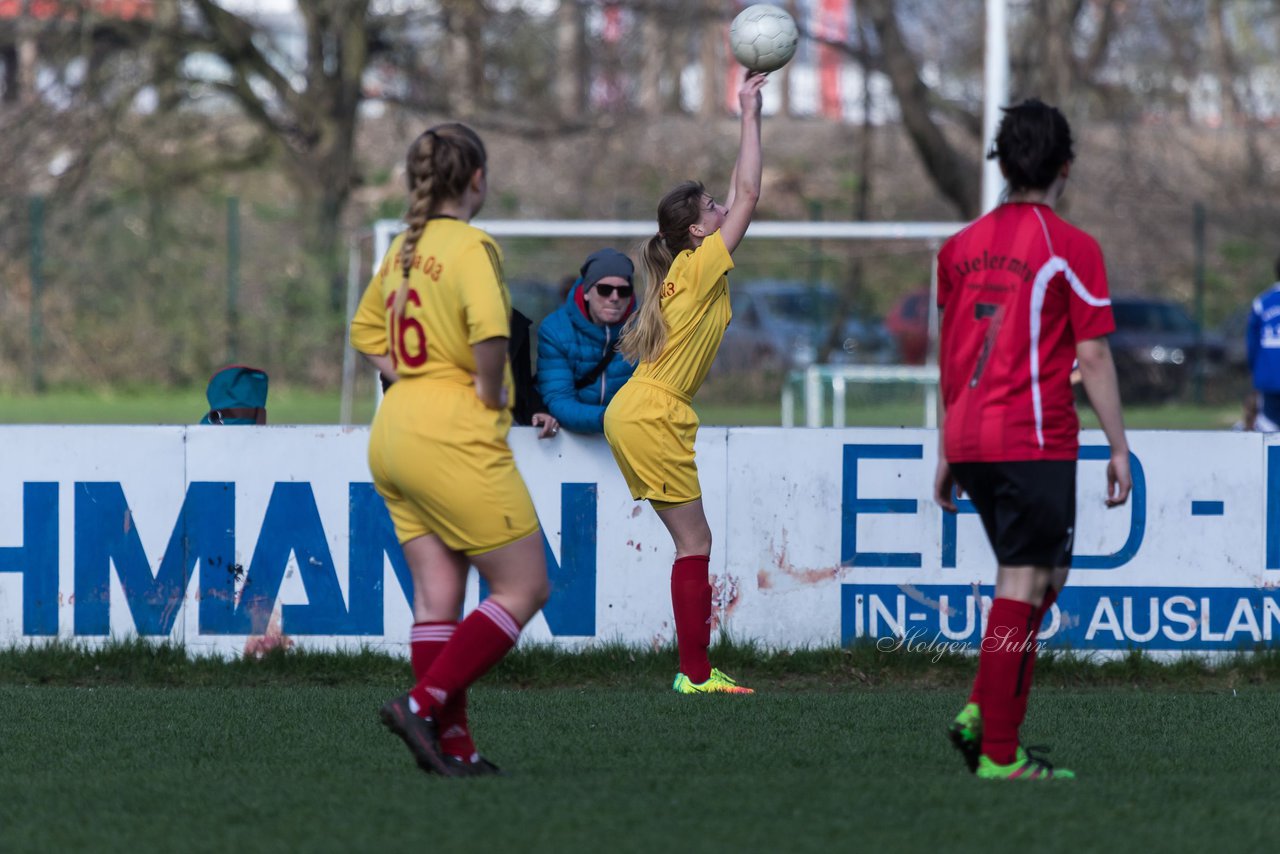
x,y
457,297
695,304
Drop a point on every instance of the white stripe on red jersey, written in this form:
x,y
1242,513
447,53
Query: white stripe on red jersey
x,y
1019,288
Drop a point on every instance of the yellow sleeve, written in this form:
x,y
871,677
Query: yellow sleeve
x,y
710,261
369,326
485,303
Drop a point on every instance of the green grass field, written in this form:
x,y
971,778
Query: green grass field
x,y
300,406
839,751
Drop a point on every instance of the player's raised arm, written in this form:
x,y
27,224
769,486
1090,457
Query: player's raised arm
x,y
744,192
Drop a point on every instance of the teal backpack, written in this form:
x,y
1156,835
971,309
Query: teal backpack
x,y
237,395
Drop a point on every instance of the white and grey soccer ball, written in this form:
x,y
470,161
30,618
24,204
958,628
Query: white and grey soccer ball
x,y
763,37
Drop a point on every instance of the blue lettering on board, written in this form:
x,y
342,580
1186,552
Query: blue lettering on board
x,y
238,600
853,505
1126,552
937,617
36,560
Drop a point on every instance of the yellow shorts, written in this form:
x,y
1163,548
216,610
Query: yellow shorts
x,y
441,462
651,431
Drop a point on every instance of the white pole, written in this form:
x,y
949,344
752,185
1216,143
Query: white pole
x,y
789,401
995,92
812,397
931,354
837,401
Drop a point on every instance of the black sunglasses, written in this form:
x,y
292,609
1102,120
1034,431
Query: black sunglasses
x,y
607,291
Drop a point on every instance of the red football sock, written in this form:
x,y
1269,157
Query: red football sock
x,y
691,602
480,641
1050,596
426,642
1008,649
1037,619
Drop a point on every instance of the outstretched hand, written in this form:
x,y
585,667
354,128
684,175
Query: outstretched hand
x,y
749,97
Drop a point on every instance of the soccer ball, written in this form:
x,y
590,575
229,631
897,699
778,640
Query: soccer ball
x,y
763,37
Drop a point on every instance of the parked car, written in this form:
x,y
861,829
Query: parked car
x,y
534,299
1155,348
1232,332
908,322
785,325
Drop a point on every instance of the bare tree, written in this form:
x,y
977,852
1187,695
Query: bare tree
x,y
1059,47
954,174
653,40
571,65
310,116
711,56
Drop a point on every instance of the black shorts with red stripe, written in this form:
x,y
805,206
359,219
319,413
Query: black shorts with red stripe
x,y
1027,507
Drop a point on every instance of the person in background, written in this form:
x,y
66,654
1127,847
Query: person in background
x,y
529,409
579,370
1251,420
1262,348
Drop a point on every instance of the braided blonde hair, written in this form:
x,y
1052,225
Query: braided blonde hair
x,y
645,335
439,165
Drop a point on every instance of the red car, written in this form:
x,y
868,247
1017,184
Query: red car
x,y
908,323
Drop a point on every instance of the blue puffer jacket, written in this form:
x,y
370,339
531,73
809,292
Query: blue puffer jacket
x,y
569,346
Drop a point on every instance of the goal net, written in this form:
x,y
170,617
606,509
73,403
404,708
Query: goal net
x,y
837,319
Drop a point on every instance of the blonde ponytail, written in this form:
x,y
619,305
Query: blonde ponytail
x,y
645,334
439,165
421,182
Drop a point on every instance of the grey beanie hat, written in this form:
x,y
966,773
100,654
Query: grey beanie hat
x,y
603,263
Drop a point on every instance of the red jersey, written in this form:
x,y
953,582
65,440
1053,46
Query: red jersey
x,y
1018,289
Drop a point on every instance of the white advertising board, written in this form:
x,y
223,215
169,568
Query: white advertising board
x,y
227,538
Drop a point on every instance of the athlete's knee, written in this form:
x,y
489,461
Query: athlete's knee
x,y
541,593
696,545
528,589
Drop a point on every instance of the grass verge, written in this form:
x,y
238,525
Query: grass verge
x,y
140,662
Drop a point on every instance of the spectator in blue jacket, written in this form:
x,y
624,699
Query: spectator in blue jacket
x,y
579,369
1262,339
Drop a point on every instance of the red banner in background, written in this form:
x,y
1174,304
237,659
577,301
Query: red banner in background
x,y
613,24
44,10
734,72
831,25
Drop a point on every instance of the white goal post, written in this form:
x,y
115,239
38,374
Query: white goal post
x,y
815,379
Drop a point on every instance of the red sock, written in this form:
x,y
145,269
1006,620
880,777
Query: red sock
x,y
1037,619
1008,649
1050,596
480,641
691,602
426,642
